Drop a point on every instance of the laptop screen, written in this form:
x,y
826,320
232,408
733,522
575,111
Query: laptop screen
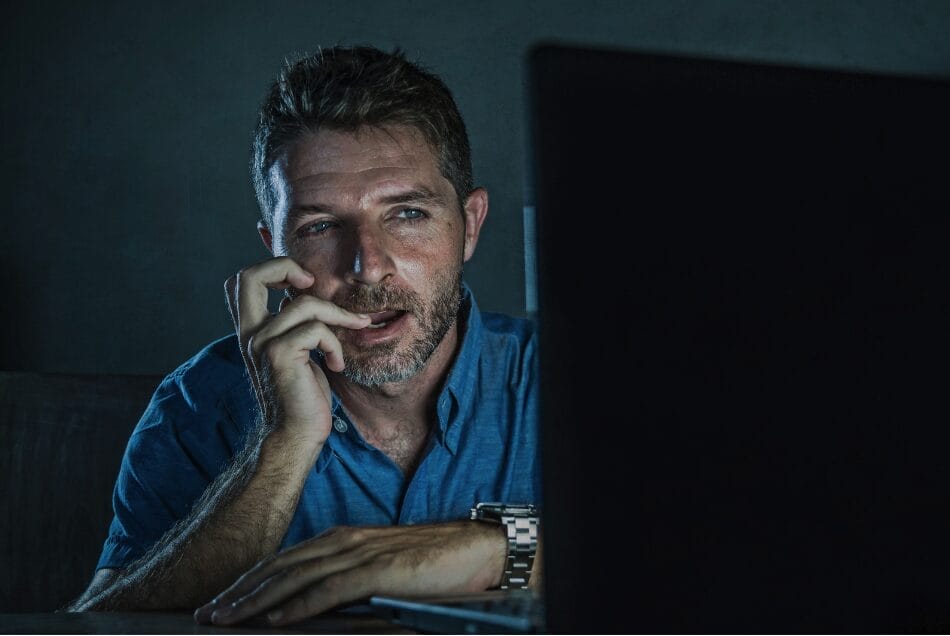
x,y
741,279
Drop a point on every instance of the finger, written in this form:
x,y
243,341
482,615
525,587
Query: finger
x,y
241,587
203,614
332,591
292,582
251,289
301,327
298,343
334,541
230,297
385,566
306,308
322,381
251,579
334,554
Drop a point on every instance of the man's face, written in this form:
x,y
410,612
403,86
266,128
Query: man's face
x,y
372,218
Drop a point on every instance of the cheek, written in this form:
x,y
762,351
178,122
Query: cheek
x,y
415,269
428,256
323,263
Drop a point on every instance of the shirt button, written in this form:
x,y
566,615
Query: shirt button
x,y
339,424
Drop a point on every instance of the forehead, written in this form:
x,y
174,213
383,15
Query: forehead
x,y
357,159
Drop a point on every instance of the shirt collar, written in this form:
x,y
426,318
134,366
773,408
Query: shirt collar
x,y
456,395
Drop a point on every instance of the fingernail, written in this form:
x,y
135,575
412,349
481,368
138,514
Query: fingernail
x,y
222,612
204,612
275,616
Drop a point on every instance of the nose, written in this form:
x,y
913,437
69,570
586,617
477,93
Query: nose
x,y
370,262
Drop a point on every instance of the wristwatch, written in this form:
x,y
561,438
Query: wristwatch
x,y
521,522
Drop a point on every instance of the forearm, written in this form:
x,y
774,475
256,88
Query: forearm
x,y
240,519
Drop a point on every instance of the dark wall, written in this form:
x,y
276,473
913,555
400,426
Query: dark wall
x,y
127,125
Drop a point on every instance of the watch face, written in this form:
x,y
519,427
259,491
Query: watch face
x,y
521,509
494,509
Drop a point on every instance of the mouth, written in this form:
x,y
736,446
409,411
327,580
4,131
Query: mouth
x,y
381,319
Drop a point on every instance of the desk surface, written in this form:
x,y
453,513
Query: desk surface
x,y
183,623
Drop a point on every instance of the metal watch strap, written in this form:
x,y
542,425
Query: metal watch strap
x,y
522,545
521,528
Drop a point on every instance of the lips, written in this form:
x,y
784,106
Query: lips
x,y
382,318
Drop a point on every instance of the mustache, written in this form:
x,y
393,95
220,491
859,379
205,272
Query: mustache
x,y
364,299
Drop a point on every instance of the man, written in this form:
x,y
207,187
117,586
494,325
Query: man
x,y
333,450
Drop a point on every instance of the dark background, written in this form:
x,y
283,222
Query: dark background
x,y
126,198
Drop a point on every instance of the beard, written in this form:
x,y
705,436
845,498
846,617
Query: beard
x,y
399,360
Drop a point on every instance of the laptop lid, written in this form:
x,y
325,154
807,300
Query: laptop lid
x,y
742,303
514,611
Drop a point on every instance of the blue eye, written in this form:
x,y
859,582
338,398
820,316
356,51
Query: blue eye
x,y
411,214
315,228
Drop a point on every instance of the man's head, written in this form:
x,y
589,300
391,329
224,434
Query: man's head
x,y
362,167
348,88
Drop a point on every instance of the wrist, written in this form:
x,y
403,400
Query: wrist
x,y
286,446
495,557
521,526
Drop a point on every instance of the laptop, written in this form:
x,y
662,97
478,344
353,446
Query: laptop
x,y
741,279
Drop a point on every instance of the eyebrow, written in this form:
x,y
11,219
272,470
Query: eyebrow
x,y
299,211
418,194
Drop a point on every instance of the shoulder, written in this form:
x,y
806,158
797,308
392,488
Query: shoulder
x,y
211,384
215,369
197,420
509,343
508,331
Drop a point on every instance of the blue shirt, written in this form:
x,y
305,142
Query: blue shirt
x,y
483,447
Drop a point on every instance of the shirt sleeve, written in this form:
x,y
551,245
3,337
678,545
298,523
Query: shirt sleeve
x,y
183,440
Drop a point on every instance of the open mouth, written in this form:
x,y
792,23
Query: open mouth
x,y
382,318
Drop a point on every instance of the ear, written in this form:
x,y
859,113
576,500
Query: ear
x,y
476,209
266,236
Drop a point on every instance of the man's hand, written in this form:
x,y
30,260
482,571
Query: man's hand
x,y
350,564
291,389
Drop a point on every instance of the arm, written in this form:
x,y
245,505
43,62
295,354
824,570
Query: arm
x,y
240,519
102,579
244,513
351,564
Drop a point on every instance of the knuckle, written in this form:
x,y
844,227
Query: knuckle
x,y
332,587
264,565
272,351
385,560
356,535
299,607
309,303
321,332
254,346
295,572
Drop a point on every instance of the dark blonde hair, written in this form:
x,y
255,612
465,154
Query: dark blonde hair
x,y
345,88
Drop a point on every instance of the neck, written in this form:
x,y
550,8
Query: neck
x,y
387,409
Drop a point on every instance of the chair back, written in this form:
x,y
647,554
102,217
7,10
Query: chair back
x,y
61,443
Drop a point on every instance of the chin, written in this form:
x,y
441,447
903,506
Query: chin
x,y
379,373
